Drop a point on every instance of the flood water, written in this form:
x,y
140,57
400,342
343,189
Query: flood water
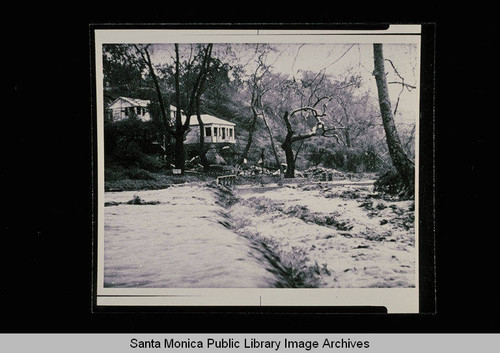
x,y
338,234
183,241
189,236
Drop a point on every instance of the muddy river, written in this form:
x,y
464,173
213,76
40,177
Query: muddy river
x,y
321,235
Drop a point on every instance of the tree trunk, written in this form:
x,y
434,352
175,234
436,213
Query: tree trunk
x,y
290,160
166,136
287,147
202,151
400,160
194,104
291,138
179,131
275,153
157,88
347,134
243,156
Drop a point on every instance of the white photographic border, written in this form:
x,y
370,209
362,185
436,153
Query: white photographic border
x,y
396,300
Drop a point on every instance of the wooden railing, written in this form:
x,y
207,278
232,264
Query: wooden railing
x,y
226,180
326,176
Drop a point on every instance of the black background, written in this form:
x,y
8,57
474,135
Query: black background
x,y
46,175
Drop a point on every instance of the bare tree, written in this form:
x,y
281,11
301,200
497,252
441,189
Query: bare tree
x,y
256,93
318,130
168,132
252,127
146,57
199,89
192,106
312,93
273,146
259,89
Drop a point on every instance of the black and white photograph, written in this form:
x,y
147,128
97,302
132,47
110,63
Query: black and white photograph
x,y
254,168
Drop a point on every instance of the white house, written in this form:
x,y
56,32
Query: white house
x,y
124,107
215,130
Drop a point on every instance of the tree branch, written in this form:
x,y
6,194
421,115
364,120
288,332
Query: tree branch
x,y
197,88
406,85
313,110
297,152
303,136
334,135
320,99
147,60
287,123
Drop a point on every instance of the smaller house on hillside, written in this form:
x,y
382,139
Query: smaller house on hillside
x,y
215,130
125,107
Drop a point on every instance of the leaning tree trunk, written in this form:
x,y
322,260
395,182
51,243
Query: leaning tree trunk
x,y
400,160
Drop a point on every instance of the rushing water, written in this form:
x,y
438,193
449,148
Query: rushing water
x,y
185,237
181,239
335,232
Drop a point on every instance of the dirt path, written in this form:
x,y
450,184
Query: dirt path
x,y
330,234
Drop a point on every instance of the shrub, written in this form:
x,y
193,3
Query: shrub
x,y
352,160
139,174
128,143
128,154
389,183
114,172
150,163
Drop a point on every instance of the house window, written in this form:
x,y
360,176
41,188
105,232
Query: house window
x,y
223,133
126,111
230,132
215,131
208,131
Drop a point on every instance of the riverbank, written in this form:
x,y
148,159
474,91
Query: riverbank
x,y
120,179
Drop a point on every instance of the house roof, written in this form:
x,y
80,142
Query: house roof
x,y
133,101
207,119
